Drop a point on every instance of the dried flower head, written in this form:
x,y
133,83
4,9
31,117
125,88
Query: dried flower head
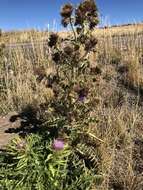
x,y
53,39
93,22
95,70
58,144
68,50
82,38
65,22
79,17
81,91
78,30
67,10
88,6
52,79
87,11
90,43
56,57
76,47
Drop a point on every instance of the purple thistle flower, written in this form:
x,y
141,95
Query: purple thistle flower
x,y
82,94
81,98
58,144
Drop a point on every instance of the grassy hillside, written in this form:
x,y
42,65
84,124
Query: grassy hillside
x,y
28,35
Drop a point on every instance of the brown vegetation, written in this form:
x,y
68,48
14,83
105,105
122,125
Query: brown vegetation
x,y
118,101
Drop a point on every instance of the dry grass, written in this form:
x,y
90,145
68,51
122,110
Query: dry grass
x,y
28,35
118,105
120,30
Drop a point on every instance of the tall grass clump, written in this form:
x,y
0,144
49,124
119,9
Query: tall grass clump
x,y
58,150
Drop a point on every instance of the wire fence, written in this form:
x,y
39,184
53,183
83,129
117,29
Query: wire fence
x,y
123,41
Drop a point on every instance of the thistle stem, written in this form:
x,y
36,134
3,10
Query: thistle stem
x,y
73,29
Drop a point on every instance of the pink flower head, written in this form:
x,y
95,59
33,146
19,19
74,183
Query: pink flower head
x,y
58,144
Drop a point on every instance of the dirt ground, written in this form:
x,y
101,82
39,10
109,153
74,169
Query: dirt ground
x,y
5,125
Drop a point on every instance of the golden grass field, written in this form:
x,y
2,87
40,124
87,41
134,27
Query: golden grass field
x,y
28,35
118,98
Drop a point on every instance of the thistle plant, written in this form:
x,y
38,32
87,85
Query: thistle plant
x,y
74,89
66,154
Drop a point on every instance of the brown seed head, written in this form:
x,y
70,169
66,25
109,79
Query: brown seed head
x,y
95,70
69,49
56,57
65,22
67,10
53,39
90,43
93,21
86,11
